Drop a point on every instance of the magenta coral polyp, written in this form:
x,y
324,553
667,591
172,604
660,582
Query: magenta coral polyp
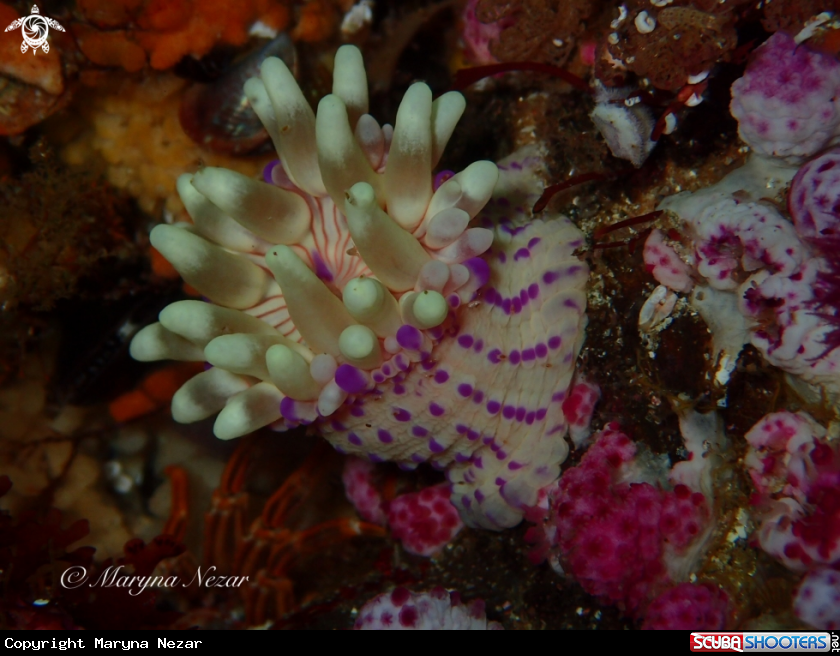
x,y
786,103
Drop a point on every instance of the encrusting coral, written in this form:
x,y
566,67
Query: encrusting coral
x,y
401,333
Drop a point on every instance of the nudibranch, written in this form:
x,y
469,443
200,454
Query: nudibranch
x,y
347,291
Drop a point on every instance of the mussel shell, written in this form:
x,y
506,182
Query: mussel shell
x,y
218,116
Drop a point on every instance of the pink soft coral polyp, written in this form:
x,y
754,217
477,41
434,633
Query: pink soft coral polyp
x,y
787,101
614,536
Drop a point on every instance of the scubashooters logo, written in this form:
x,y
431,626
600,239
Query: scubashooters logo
x,y
35,29
788,641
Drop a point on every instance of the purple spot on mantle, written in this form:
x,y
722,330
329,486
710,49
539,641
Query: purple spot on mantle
x,y
419,431
528,355
534,241
351,379
521,254
435,409
435,446
541,350
479,344
513,465
287,409
493,407
520,413
460,429
508,412
478,496
441,376
479,270
357,412
268,169
409,337
514,357
401,414
354,439
465,341
478,397
550,276
465,389
493,356
384,436
533,290
554,342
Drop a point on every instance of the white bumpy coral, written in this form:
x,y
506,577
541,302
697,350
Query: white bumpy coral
x,y
312,273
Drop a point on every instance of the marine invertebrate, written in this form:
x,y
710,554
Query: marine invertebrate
x,y
817,599
424,521
814,199
368,327
217,115
626,126
786,102
796,473
404,610
619,535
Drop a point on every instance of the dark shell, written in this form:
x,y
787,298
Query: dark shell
x,y
217,115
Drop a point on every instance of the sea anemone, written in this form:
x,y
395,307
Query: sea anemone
x,y
400,333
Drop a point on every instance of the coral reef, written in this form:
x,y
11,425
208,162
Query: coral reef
x,y
359,290
438,610
378,377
